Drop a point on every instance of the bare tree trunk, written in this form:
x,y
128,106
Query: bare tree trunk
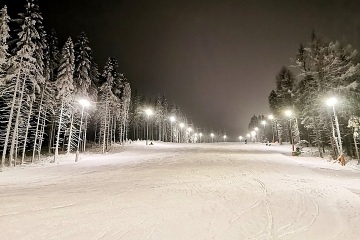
x,y
51,137
16,149
37,127
8,128
84,142
26,132
70,134
356,148
16,126
41,136
104,131
58,132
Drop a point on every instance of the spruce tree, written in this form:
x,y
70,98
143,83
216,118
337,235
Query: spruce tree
x,y
65,88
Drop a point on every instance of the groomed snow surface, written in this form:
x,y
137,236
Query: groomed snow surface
x,y
175,191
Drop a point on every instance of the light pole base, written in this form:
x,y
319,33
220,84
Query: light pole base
x,y
77,156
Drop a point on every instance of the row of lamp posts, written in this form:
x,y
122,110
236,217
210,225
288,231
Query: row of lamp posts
x,y
172,119
330,102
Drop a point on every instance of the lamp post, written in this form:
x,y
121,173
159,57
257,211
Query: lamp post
x,y
189,130
288,113
331,102
212,137
240,138
271,117
256,133
263,122
148,113
182,125
224,138
84,103
253,134
200,135
172,119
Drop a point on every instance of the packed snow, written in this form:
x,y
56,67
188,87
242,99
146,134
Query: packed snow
x,y
182,191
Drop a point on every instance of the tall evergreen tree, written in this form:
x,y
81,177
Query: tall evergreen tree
x,y
4,37
65,88
83,59
27,71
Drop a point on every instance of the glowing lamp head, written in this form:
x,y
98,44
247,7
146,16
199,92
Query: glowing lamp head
x,y
331,101
182,125
172,119
224,137
84,102
148,112
248,135
189,129
256,129
263,122
200,134
240,137
288,113
212,135
271,117
253,133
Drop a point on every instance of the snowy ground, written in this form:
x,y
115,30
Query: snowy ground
x,y
182,191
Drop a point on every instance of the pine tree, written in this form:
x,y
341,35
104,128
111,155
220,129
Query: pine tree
x,y
4,36
327,68
65,88
53,54
26,71
83,59
107,102
158,118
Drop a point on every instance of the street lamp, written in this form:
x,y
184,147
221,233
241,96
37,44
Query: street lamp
x,y
224,138
331,102
288,113
189,130
148,113
263,122
253,133
200,135
240,138
256,133
84,103
172,119
182,125
212,137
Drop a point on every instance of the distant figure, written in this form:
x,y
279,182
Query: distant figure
x,y
245,141
151,143
341,159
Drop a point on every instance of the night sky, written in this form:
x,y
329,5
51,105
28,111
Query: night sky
x,y
217,60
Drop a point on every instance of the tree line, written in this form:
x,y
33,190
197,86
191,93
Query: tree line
x,y
322,70
57,98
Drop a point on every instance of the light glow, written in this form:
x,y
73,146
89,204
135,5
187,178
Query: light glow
x,y
288,113
84,102
331,101
149,112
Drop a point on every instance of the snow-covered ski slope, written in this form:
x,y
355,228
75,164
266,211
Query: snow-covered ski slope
x,y
182,191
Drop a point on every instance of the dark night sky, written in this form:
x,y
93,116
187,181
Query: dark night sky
x,y
216,59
